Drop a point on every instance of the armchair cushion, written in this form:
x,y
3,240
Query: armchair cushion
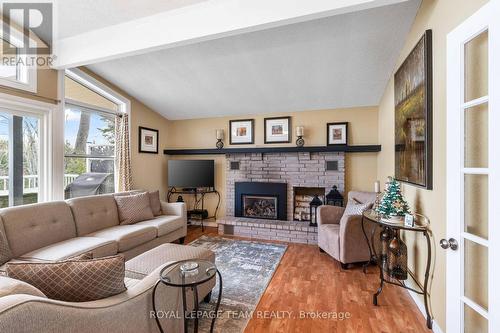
x,y
328,239
329,214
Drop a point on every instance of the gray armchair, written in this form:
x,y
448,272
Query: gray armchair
x,y
341,236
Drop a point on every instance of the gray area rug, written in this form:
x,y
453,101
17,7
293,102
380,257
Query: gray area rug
x,y
246,268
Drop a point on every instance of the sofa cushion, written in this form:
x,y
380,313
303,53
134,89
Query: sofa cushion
x,y
142,265
127,236
155,203
164,224
134,208
30,227
5,252
99,247
74,280
94,213
9,286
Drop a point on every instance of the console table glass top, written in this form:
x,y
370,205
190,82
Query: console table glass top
x,y
421,222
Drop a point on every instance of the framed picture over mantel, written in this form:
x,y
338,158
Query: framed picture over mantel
x,y
413,116
148,140
241,132
277,130
336,134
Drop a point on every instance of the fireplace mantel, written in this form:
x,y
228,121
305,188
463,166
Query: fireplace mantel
x,y
264,150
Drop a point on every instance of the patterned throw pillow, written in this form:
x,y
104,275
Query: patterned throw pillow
x,y
154,201
5,253
74,280
354,207
134,208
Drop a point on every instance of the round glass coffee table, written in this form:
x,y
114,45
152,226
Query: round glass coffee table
x,y
189,274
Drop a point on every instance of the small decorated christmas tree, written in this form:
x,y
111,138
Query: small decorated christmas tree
x,y
392,203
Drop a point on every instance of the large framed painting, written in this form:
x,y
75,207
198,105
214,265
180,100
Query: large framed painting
x,y
413,118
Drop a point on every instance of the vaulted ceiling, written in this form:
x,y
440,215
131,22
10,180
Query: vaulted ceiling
x,y
339,60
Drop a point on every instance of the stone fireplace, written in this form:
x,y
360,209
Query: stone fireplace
x,y
293,170
260,186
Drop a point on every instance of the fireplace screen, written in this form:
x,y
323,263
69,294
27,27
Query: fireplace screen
x,y
263,207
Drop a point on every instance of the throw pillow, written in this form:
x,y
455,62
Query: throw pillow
x,y
154,201
9,286
5,253
354,207
74,280
134,208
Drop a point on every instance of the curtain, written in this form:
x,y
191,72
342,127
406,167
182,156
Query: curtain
x,y
123,153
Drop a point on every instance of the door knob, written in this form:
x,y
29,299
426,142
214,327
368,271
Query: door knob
x,y
450,243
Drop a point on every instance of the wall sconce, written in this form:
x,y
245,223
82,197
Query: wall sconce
x,y
299,131
219,135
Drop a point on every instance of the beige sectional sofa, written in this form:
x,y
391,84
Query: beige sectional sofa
x,y
63,229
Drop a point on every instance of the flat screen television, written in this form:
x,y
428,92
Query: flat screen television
x,y
191,173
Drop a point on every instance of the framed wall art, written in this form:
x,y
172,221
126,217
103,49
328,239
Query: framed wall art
x,y
413,116
148,140
241,132
336,134
277,130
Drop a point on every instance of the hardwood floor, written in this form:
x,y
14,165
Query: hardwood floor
x,y
313,283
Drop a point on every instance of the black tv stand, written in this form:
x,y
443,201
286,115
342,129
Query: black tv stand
x,y
199,197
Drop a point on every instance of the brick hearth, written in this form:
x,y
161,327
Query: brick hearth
x,y
285,231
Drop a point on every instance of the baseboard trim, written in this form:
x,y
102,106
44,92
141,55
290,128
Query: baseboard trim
x,y
421,307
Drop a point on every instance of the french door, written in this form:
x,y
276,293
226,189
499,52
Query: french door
x,y
473,174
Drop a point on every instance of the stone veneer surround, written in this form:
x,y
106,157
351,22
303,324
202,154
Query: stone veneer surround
x,y
296,169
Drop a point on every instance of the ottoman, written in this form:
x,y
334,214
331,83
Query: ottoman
x,y
142,265
139,267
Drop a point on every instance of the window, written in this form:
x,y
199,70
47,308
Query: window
x,y
19,159
14,71
89,151
91,109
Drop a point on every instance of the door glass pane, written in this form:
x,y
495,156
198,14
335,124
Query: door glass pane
x,y
476,205
476,136
30,160
474,322
476,67
19,159
476,273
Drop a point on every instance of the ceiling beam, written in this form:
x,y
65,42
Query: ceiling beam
x,y
207,20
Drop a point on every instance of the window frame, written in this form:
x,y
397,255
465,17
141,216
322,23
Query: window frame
x,y
98,87
29,71
21,106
